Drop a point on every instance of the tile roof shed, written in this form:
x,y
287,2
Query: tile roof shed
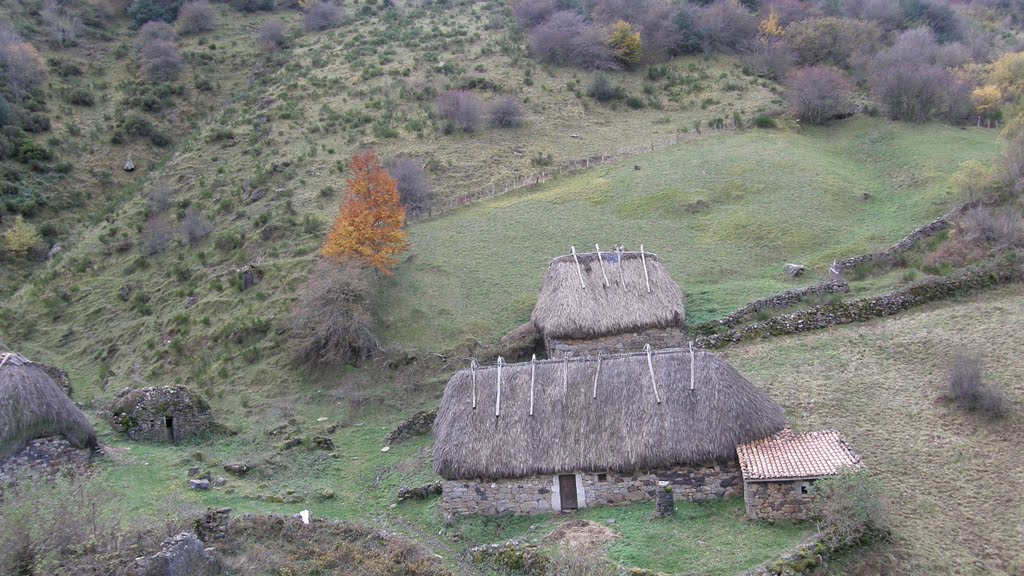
x,y
790,455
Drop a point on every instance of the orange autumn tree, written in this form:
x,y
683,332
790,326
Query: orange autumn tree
x,y
371,220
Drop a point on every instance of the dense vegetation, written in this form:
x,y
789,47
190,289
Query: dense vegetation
x,y
808,131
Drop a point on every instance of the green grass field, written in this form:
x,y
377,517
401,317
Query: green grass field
x,y
768,197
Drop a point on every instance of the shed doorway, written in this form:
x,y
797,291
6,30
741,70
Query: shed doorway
x,y
169,421
567,491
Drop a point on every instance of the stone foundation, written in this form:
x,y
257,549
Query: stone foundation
x,y
659,339
536,494
42,458
778,500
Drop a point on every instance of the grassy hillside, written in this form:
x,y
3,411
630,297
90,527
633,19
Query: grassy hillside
x,y
724,214
953,476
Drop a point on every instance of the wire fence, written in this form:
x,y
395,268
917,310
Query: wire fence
x,y
446,205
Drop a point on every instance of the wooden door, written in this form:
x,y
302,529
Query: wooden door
x,y
567,489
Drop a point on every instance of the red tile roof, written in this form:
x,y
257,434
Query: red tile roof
x,y
790,455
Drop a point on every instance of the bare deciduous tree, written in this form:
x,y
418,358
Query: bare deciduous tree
x,y
567,39
270,37
62,26
413,186
506,112
195,226
197,16
321,16
818,94
156,52
460,110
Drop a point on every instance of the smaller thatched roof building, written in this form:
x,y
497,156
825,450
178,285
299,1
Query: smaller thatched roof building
x,y
33,406
592,295
610,413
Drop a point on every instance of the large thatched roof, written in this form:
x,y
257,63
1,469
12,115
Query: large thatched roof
x,y
624,427
32,406
638,295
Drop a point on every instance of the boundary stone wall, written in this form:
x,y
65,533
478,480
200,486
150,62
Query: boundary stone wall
x,y
864,309
536,494
42,458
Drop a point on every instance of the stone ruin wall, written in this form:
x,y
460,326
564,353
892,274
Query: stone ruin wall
x,y
778,500
619,343
41,459
147,420
533,495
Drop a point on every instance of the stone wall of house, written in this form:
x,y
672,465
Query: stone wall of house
x,y
778,500
144,414
537,494
42,458
632,342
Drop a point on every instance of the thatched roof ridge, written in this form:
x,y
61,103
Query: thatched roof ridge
x,y
32,406
624,428
568,309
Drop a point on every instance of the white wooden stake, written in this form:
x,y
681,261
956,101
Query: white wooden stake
x,y
472,367
533,374
643,259
601,262
579,270
597,374
497,403
565,372
692,365
650,366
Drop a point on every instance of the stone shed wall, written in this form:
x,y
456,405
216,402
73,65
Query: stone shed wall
x,y
143,414
41,459
537,494
666,338
772,501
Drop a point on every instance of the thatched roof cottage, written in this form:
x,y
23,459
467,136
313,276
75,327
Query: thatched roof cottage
x,y
608,301
41,429
575,432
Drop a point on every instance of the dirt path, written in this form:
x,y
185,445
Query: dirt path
x,y
435,544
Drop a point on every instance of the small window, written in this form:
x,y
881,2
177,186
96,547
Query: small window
x,y
805,487
602,477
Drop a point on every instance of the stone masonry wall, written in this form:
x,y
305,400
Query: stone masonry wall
x,y
865,309
778,500
784,300
666,338
143,414
535,494
41,459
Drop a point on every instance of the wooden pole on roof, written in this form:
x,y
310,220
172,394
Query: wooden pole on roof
x,y
692,365
533,375
643,259
597,374
601,262
4,361
497,403
579,270
472,368
565,372
650,366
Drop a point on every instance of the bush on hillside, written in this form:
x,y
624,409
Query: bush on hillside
x,y
602,89
530,13
832,41
911,92
157,234
252,5
62,26
460,111
505,112
156,52
725,27
567,39
21,68
331,320
142,11
160,197
968,388
852,506
197,16
412,183
195,226
818,94
996,227
321,16
270,36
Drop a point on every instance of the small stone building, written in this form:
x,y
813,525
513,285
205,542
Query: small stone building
x,y
608,302
563,434
165,414
41,429
778,471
